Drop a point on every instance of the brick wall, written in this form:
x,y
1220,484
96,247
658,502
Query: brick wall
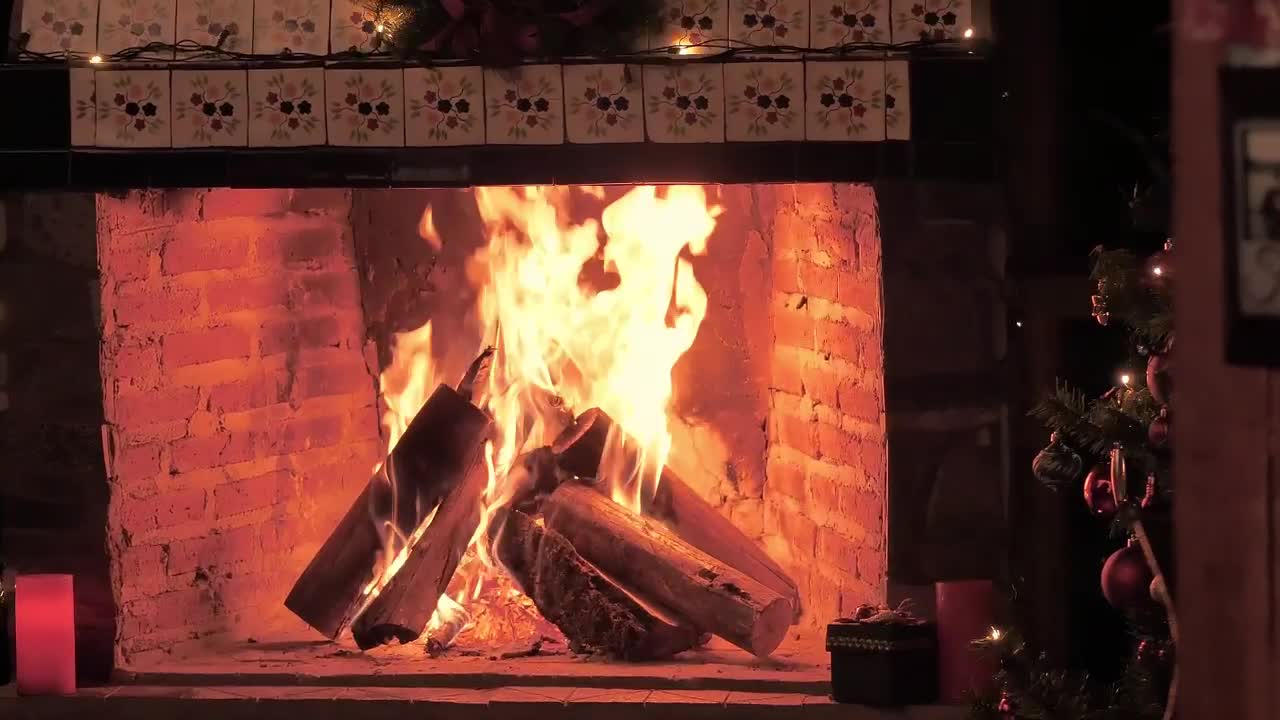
x,y
825,492
240,411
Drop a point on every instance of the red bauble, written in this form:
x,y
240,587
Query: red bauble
x,y
1005,707
1158,431
1097,491
1126,579
1160,378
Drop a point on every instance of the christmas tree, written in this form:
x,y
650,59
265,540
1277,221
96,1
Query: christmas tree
x,y
1117,447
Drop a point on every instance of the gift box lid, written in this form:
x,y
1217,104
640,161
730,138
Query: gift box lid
x,y
902,632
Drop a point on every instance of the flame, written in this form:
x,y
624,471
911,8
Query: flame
x,y
583,314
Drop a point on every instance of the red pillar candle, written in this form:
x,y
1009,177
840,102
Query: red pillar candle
x,y
45,635
965,613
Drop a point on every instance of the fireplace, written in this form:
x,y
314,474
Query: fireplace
x,y
244,334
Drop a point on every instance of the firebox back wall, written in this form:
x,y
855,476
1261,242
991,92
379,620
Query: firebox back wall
x,y
241,403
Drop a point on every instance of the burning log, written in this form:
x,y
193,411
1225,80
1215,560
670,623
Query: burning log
x,y
424,469
476,377
579,450
654,563
405,603
588,607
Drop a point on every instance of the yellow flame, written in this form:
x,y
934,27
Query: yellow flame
x,y
583,314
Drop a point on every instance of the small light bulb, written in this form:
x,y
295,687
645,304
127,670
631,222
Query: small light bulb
x,y
1157,271
968,33
1017,323
379,27
1125,379
96,59
995,633
685,50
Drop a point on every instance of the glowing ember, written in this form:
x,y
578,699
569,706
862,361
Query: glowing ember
x,y
578,321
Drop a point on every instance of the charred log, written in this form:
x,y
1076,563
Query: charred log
x,y
579,450
588,607
655,564
414,479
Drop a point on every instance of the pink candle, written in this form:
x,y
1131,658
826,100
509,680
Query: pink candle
x,y
44,630
965,613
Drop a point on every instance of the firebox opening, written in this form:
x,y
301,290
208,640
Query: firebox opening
x,y
262,350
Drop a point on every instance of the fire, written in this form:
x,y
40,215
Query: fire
x,y
582,314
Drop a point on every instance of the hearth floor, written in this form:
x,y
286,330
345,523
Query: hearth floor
x,y
796,667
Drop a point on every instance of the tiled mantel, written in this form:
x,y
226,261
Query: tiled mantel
x,y
861,99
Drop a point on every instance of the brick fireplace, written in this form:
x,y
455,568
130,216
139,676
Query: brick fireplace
x,y
243,332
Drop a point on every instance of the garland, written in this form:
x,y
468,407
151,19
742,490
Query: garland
x,y
503,31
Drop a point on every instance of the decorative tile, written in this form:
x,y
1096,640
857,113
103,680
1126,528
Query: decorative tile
x,y
353,26
299,25
445,106
133,108
57,25
690,22
204,21
131,23
844,100
84,112
897,100
684,103
765,101
930,19
210,108
770,22
603,103
525,105
366,107
837,22
287,107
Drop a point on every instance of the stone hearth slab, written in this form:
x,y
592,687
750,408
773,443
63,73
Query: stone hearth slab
x,y
142,702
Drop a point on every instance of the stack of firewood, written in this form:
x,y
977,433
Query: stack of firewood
x,y
637,586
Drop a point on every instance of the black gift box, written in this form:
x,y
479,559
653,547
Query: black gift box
x,y
883,663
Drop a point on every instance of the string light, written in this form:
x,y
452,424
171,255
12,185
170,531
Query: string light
x,y
1017,323
1125,379
968,33
995,634
380,28
1157,271
96,59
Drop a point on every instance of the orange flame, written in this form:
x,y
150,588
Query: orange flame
x,y
575,324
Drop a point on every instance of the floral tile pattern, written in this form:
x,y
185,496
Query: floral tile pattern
x,y
366,107
930,19
133,108
204,21
57,25
603,103
690,22
84,111
299,25
287,107
844,101
210,108
525,105
684,103
837,22
765,101
897,100
130,23
352,26
445,106
770,22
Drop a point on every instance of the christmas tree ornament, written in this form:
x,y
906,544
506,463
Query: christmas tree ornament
x,y
1160,377
1100,312
1159,269
1119,475
1158,431
1126,579
1097,491
1005,706
1145,652
1150,497
1057,465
